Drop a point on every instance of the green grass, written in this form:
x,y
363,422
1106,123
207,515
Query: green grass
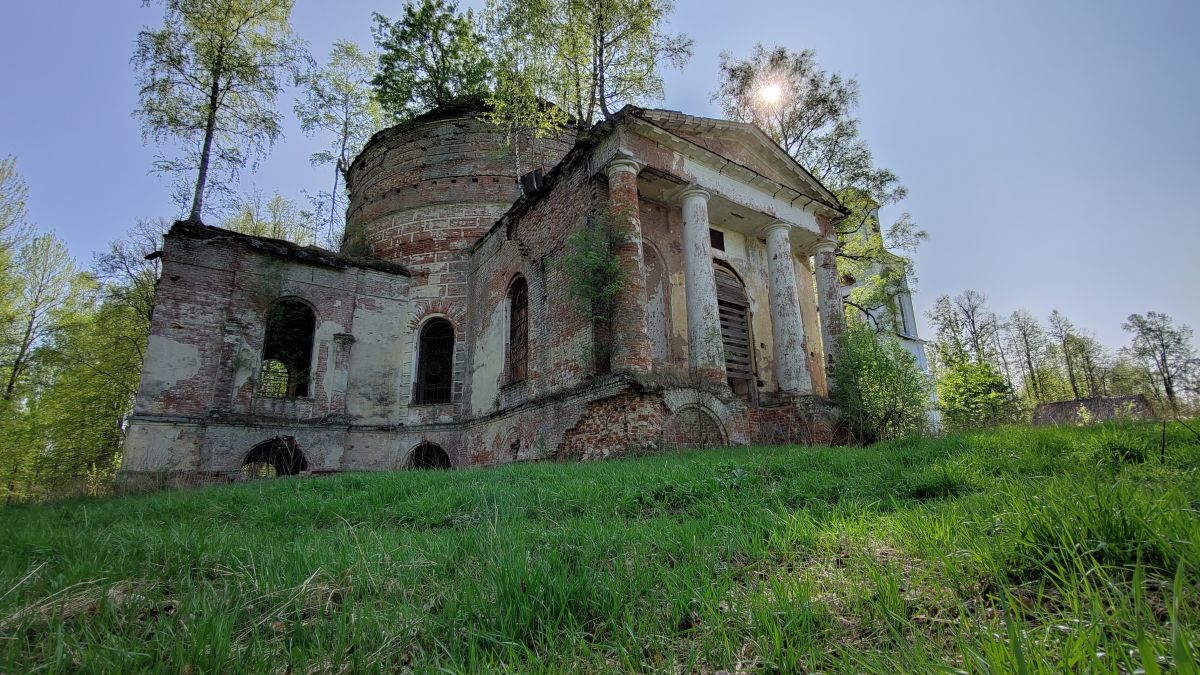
x,y
1021,550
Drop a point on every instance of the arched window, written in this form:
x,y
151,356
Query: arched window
x,y
734,309
657,303
518,330
435,363
287,349
428,456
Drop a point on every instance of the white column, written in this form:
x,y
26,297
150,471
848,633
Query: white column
x,y
787,330
829,301
706,350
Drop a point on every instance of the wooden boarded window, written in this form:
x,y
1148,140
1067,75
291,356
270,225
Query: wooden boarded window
x,y
518,330
435,363
734,310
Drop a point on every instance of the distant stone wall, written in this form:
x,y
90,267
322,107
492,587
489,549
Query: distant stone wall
x,y
1097,409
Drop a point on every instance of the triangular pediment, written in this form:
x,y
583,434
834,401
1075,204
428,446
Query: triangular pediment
x,y
744,144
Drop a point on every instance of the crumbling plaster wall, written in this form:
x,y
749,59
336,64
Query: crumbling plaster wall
x,y
207,336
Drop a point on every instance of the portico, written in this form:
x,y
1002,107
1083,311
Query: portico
x,y
769,211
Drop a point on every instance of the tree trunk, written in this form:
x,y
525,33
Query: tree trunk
x,y
210,128
1070,369
342,165
19,362
1037,389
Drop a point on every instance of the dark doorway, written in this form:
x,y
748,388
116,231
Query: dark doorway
x,y
428,456
435,363
279,456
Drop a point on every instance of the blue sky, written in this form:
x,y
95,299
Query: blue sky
x,y
1051,149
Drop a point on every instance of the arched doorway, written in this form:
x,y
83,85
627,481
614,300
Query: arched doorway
x,y
428,456
279,456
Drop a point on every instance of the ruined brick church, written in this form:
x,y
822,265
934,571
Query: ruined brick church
x,y
444,333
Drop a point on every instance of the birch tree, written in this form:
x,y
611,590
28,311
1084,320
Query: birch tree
x,y
337,101
1166,348
208,79
50,286
589,57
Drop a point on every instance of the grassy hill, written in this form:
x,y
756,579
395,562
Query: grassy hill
x,y
1022,550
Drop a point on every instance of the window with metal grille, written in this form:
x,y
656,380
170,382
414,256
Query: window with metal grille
x,y
733,308
287,349
518,330
435,363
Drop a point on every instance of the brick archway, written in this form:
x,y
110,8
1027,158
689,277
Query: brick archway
x,y
279,456
694,426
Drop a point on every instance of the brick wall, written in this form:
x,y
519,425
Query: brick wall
x,y
616,426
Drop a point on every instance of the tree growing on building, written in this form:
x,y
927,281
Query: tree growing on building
x,y
276,217
208,79
429,57
338,100
589,57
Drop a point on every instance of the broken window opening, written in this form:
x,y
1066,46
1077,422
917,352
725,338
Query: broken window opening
x,y
279,456
733,308
435,363
518,330
429,456
717,239
287,349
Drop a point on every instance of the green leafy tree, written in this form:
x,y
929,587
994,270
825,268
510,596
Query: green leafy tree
x,y
51,287
975,396
879,389
127,270
14,229
14,233
428,58
1028,343
62,428
809,112
208,79
277,218
51,297
338,101
964,329
1167,351
1064,334
589,57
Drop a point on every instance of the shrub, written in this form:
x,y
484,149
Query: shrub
x,y
881,392
974,396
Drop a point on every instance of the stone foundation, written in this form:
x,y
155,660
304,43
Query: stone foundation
x,y
613,418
